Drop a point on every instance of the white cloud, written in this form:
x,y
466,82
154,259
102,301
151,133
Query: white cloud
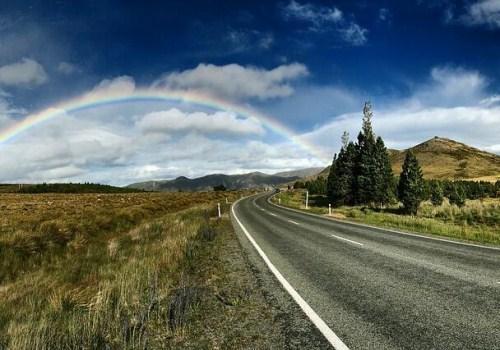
x,y
26,72
174,121
317,15
453,104
324,19
67,68
236,82
484,12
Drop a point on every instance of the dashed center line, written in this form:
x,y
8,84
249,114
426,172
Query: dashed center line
x,y
293,222
273,214
348,240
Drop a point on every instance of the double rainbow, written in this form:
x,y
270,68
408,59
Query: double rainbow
x,y
105,98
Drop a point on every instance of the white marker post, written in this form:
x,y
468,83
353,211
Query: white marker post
x,y
218,209
279,200
307,199
329,209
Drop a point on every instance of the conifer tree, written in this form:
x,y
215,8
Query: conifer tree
x,y
365,169
457,195
384,179
340,180
436,193
410,188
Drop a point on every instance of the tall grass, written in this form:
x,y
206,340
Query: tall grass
x,y
109,279
478,220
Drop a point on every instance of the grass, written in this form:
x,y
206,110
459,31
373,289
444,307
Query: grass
x,y
128,271
477,221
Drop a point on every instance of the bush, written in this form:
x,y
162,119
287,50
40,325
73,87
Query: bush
x,y
436,194
457,195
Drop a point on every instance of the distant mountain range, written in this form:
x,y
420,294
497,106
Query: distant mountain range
x,y
442,158
207,183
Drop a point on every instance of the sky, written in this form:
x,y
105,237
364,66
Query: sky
x,y
295,75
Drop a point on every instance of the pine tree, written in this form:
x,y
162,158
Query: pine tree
x,y
457,195
410,188
384,179
365,169
436,193
340,179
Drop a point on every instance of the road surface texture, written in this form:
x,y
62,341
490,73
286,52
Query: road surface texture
x,y
377,289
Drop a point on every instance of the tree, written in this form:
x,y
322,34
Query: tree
x,y
340,179
384,179
410,188
457,195
220,187
436,193
365,169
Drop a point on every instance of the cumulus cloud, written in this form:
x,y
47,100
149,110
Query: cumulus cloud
x,y
483,13
119,85
236,82
326,19
26,72
174,120
453,103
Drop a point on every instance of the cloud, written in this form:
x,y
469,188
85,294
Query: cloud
x,y
317,15
453,103
26,72
243,40
326,19
483,13
67,68
452,86
174,121
236,82
119,85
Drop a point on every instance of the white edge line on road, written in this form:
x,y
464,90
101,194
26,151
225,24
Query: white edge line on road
x,y
332,338
272,214
348,240
381,228
293,222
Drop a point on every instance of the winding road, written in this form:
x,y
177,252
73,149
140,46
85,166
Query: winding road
x,y
370,288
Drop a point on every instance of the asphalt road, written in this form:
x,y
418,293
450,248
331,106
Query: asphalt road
x,y
377,289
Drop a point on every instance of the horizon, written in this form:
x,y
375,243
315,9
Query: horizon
x,y
266,87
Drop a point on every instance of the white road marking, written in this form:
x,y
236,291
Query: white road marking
x,y
273,214
332,338
352,223
348,240
293,222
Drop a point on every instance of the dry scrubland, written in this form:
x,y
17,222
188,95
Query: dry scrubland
x,y
478,220
124,271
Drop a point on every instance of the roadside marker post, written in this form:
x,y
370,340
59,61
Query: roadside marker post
x,y
329,209
218,209
307,199
279,200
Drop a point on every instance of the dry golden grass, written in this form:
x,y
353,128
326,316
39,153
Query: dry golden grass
x,y
96,271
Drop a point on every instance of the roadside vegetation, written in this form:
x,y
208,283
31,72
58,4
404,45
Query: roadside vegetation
x,y
125,271
361,187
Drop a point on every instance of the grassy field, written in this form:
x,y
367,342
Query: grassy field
x,y
130,271
477,221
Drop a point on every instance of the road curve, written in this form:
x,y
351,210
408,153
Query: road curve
x,y
378,289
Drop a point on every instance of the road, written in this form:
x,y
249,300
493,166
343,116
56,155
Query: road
x,y
377,289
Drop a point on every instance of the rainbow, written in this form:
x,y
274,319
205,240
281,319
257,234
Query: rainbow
x,y
105,98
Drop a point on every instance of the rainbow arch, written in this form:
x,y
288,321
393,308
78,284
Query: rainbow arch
x,y
104,98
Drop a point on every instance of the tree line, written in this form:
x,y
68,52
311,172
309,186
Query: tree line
x,y
74,188
361,174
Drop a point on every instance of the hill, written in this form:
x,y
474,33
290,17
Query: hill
x,y
442,158
300,173
206,183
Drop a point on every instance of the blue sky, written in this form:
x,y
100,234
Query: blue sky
x,y
429,68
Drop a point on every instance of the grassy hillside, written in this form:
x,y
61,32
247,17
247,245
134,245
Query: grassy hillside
x,y
126,271
442,158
